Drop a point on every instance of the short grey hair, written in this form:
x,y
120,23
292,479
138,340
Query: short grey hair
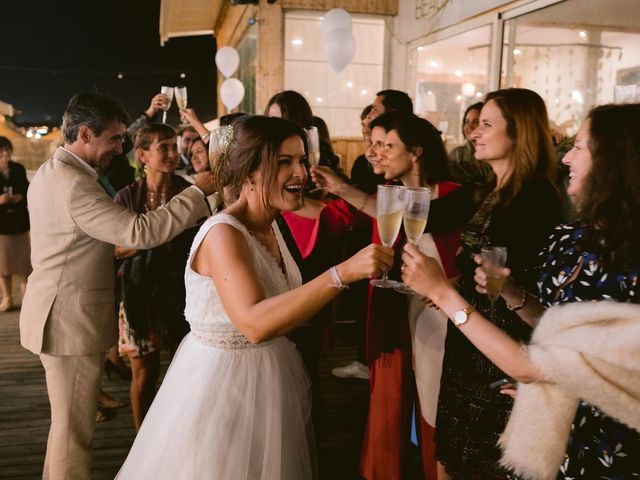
x,y
95,110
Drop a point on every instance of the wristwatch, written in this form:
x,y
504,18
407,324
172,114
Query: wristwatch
x,y
462,316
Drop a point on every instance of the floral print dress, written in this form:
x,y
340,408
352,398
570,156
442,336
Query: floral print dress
x,y
599,447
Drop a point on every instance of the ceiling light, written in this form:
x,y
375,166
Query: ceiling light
x,y
183,75
517,51
582,34
468,89
319,99
576,96
433,64
458,72
420,49
297,42
349,84
364,91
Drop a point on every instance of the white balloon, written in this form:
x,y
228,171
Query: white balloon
x,y
231,93
227,60
339,48
336,18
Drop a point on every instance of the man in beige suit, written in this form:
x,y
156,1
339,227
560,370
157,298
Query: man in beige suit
x,y
68,314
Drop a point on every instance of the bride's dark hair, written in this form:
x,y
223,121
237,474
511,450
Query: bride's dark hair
x,y
255,145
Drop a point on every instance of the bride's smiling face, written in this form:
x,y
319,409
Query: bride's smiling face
x,y
285,191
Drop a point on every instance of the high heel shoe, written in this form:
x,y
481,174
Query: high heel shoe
x,y
109,367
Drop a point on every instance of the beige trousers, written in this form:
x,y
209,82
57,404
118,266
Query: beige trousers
x,y
73,383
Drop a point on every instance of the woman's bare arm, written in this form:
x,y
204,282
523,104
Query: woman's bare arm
x,y
224,256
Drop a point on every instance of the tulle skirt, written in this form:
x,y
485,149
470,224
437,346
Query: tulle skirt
x,y
228,414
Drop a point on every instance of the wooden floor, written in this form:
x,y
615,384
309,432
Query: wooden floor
x,y
24,414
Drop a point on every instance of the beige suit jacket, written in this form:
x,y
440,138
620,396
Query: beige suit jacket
x,y
68,308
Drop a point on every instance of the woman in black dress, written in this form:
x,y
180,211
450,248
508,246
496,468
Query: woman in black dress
x,y
518,209
15,249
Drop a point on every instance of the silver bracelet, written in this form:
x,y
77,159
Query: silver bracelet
x,y
337,281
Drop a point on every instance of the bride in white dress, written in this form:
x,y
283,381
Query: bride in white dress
x,y
235,403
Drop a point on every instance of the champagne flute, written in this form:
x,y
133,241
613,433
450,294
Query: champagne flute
x,y
494,260
389,216
168,91
9,191
181,99
313,144
181,96
416,213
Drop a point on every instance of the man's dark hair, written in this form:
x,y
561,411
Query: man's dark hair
x,y
365,112
5,143
396,101
94,110
386,119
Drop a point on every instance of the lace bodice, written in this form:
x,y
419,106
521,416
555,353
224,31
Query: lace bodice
x,y
204,311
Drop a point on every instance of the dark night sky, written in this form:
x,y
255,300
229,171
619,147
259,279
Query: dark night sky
x,y
51,49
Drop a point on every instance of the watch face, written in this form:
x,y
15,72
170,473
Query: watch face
x,y
460,317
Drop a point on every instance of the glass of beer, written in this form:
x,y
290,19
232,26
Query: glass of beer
x,y
390,205
494,260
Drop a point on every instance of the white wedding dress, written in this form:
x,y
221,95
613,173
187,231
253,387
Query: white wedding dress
x,y
228,409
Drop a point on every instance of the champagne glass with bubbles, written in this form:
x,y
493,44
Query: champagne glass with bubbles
x,y
494,260
390,204
313,144
181,97
416,212
168,91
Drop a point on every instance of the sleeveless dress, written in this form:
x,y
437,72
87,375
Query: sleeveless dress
x,y
229,409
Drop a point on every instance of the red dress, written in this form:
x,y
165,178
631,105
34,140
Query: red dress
x,y
389,352
393,388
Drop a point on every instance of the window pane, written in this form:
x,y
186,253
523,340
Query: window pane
x,y
337,98
449,76
247,50
575,54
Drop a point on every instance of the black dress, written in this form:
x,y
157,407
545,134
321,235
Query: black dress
x,y
599,447
471,416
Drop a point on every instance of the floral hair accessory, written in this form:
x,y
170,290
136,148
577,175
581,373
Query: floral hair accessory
x,y
220,139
